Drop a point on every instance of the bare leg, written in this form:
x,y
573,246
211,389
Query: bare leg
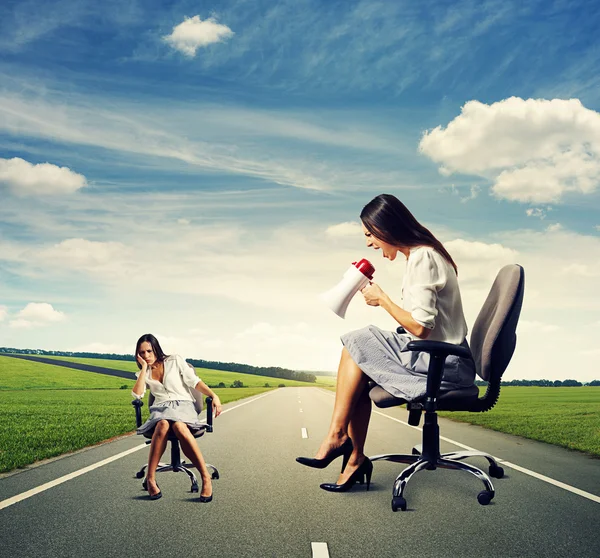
x,y
192,452
157,448
351,382
357,429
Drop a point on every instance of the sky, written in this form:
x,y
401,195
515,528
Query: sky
x,y
196,170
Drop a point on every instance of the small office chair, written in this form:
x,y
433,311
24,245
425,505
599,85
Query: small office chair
x,y
493,342
176,465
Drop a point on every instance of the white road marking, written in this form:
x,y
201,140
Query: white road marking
x,y
65,478
304,433
319,550
529,472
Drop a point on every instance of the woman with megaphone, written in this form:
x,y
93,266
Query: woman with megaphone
x,y
431,309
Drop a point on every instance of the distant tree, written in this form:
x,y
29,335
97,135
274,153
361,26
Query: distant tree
x,y
267,385
237,384
571,383
281,385
221,385
557,383
594,383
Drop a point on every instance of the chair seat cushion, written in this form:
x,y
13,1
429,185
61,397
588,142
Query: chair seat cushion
x,y
453,400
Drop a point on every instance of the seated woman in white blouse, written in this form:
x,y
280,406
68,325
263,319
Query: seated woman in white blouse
x,y
170,378
431,309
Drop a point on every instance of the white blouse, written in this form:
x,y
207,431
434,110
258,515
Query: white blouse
x,y
178,380
431,295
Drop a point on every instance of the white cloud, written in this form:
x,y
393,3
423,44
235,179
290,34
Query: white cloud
x,y
526,326
344,230
534,150
36,314
183,221
26,179
3,313
554,227
193,33
82,254
536,212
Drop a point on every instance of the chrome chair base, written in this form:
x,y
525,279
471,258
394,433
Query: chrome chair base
x,y
445,461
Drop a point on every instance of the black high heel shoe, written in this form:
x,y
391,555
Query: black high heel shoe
x,y
364,471
345,449
157,495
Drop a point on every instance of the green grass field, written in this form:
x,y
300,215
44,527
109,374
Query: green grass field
x,y
563,416
50,410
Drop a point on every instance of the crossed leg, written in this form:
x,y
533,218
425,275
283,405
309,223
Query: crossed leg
x,y
192,452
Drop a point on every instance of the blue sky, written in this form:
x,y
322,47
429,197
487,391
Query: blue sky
x,y
196,169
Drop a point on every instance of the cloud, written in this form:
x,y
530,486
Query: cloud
x,y
533,150
36,314
193,33
82,254
536,212
3,313
26,179
344,230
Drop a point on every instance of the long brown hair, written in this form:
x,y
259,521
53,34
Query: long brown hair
x,y
158,352
388,219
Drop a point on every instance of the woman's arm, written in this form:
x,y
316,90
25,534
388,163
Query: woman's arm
x,y
205,390
140,386
374,296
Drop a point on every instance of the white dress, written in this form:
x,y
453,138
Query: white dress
x,y
430,293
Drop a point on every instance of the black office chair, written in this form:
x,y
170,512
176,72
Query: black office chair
x,y
493,342
176,465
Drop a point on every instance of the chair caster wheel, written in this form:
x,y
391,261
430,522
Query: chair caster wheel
x,y
496,471
145,485
139,475
485,497
215,475
194,488
398,503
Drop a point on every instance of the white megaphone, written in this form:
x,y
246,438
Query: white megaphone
x,y
356,277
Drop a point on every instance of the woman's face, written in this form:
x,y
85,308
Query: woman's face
x,y
147,353
389,251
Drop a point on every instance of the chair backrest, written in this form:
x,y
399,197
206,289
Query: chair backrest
x,y
493,338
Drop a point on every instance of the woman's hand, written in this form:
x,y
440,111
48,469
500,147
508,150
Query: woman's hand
x,y
373,294
217,406
143,363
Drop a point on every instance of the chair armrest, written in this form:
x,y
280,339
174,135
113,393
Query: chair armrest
x,y
209,414
438,347
138,404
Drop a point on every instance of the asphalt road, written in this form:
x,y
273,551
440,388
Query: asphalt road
x,y
267,505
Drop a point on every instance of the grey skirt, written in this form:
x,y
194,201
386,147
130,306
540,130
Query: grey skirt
x,y
378,354
174,411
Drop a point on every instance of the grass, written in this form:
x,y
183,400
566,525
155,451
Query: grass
x,y
48,410
564,416
208,376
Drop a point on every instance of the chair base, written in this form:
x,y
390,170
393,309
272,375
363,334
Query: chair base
x,y
445,461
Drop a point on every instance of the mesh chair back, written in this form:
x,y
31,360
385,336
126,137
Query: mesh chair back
x,y
493,338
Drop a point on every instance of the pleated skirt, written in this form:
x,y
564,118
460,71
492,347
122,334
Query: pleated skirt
x,y
379,355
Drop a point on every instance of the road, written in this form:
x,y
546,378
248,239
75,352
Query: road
x,y
267,505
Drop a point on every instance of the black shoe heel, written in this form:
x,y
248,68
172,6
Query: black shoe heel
x,y
345,449
365,470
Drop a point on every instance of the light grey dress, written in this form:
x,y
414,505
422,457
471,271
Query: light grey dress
x,y
430,293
